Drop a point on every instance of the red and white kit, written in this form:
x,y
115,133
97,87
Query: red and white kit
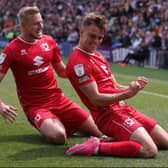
x,y
37,88
117,119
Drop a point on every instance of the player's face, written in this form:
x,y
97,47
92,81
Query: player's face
x,y
91,37
33,26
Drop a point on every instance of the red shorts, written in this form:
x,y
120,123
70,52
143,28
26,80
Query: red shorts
x,y
68,112
123,122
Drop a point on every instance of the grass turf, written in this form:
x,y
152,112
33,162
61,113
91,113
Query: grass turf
x,y
22,146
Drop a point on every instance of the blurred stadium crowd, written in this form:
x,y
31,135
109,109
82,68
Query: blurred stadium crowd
x,y
137,24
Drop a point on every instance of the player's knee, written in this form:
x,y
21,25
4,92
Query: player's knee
x,y
57,137
149,152
60,137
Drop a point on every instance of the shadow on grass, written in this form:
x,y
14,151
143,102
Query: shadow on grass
x,y
33,138
27,138
39,153
41,149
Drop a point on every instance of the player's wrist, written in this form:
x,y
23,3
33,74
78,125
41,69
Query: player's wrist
x,y
126,95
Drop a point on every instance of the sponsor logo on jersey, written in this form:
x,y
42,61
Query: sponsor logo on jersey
x,y
45,47
38,71
2,57
23,52
38,60
79,70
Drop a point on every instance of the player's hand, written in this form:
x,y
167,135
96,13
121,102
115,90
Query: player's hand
x,y
142,82
136,86
8,112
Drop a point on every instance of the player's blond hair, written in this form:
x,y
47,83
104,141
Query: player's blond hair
x,y
27,11
96,19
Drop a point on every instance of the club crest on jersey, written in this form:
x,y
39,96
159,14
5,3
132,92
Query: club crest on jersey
x,y
79,70
45,46
129,122
2,57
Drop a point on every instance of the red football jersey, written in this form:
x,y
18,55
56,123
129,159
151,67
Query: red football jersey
x,y
83,68
31,64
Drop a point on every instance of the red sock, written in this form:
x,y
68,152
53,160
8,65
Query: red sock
x,y
123,148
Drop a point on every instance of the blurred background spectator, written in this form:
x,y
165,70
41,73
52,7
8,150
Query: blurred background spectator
x,y
127,20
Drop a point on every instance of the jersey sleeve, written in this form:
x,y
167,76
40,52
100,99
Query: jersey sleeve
x,y
5,59
80,74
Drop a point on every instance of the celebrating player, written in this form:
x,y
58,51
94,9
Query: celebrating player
x,y
33,57
136,134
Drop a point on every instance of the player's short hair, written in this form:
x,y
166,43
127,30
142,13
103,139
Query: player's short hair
x,y
27,11
96,19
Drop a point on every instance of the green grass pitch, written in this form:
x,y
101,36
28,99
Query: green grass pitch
x,y
22,146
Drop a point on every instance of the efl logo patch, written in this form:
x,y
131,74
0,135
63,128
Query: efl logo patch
x,y
83,79
79,70
2,57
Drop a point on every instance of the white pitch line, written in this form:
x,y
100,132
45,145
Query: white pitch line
x,y
154,94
